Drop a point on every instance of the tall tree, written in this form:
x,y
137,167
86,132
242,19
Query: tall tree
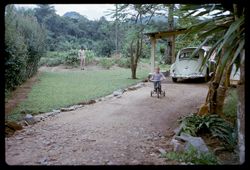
x,y
139,15
169,53
43,12
116,29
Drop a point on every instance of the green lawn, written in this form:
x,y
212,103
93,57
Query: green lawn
x,y
61,89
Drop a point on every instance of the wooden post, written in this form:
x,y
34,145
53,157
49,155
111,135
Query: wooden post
x,y
153,43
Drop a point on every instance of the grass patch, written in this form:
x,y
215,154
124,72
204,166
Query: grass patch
x,y
61,89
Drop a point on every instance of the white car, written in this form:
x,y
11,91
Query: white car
x,y
185,67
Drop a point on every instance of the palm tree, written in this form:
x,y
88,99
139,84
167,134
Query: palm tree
x,y
228,20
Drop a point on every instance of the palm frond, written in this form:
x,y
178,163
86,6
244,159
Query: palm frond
x,y
233,28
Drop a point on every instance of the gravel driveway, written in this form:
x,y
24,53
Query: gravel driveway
x,y
119,131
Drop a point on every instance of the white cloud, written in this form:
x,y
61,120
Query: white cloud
x,y
91,11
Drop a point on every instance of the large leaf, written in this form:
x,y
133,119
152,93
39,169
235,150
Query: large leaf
x,y
233,28
239,49
212,50
230,50
213,30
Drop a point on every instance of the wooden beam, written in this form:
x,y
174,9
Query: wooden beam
x,y
165,34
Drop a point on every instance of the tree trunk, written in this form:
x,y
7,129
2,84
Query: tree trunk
x,y
133,66
168,59
133,70
213,86
116,30
135,56
241,110
217,89
222,89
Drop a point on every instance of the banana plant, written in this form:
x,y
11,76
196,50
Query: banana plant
x,y
228,21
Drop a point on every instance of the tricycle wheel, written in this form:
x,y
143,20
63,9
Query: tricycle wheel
x,y
151,93
164,93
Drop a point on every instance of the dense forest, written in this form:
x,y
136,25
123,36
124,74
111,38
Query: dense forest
x,y
31,35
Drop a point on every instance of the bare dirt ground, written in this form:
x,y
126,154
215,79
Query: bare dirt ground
x,y
120,131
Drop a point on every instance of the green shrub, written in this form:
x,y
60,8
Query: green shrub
x,y
24,46
123,62
50,61
72,60
193,156
54,62
106,62
43,61
218,127
90,54
90,57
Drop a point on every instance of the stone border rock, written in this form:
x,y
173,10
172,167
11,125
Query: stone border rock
x,y
182,141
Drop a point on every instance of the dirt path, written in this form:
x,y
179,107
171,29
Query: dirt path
x,y
126,130
20,94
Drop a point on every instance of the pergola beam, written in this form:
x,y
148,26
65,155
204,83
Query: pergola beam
x,y
164,34
159,35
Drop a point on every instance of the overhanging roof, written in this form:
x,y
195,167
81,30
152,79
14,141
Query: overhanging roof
x,y
163,34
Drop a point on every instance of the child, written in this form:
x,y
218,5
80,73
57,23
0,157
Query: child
x,y
157,77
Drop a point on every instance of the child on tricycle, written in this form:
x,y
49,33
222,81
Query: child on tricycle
x,y
157,77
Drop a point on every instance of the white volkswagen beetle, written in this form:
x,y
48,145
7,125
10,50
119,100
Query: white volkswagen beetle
x,y
185,67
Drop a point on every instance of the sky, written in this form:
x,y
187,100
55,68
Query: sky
x,y
91,11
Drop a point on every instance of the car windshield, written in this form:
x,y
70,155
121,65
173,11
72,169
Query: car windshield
x,y
185,55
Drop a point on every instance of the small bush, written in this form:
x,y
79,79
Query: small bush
x,y
90,57
51,54
193,156
43,61
71,60
90,54
50,62
123,62
106,62
54,62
